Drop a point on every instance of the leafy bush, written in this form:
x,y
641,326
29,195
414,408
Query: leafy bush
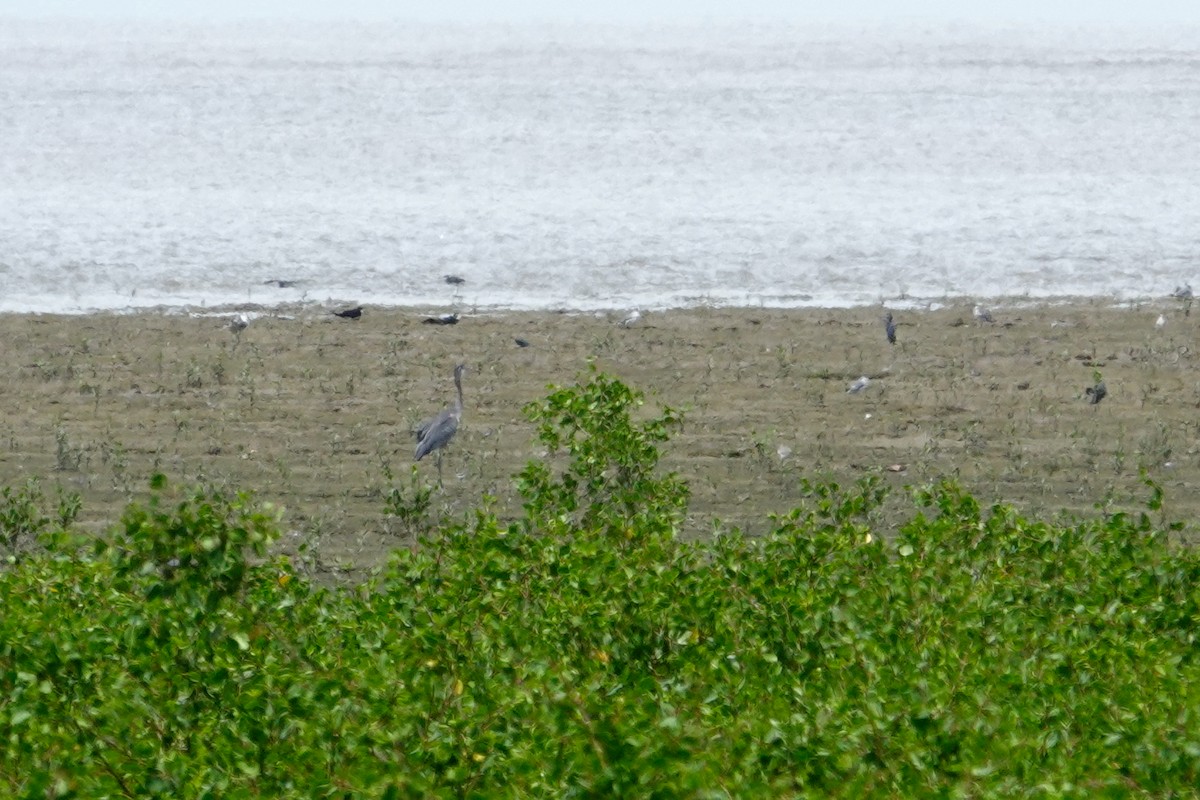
x,y
25,522
584,650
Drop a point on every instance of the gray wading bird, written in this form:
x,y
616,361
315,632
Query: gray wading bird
x,y
435,433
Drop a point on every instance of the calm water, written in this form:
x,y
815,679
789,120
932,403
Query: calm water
x,y
593,167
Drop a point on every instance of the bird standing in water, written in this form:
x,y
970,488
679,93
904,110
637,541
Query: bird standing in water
x,y
435,433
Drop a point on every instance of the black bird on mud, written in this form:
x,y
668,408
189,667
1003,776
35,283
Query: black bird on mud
x,y
349,313
442,319
455,280
889,327
1096,393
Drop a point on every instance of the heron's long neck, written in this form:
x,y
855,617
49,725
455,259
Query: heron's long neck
x,y
458,403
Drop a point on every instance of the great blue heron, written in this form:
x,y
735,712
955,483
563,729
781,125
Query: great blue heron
x,y
889,328
435,433
349,313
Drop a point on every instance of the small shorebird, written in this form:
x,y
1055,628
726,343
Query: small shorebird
x,y
631,320
889,327
982,314
1096,393
455,280
1183,292
441,319
1161,322
858,385
239,324
349,313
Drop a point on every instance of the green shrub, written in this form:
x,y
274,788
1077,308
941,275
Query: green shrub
x,y
584,650
26,523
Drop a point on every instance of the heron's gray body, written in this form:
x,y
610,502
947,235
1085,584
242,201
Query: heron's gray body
x,y
436,432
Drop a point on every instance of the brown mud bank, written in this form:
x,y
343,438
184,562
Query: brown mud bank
x,y
314,412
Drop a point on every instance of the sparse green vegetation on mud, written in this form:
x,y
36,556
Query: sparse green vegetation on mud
x,y
585,649
315,413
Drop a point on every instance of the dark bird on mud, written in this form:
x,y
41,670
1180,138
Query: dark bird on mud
x,y
1096,393
436,432
521,342
443,319
454,280
889,328
281,283
349,313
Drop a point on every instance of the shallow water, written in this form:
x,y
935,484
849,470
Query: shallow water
x,y
592,166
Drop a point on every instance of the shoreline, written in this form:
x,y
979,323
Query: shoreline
x,y
807,304
313,412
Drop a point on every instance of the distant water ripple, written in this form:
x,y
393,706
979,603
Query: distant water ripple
x,y
592,166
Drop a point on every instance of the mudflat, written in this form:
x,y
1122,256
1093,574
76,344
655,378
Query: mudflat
x,y
315,413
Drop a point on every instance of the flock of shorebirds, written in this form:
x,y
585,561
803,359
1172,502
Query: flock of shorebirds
x,y
434,433
1094,393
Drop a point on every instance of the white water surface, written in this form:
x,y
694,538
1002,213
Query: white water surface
x,y
591,166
